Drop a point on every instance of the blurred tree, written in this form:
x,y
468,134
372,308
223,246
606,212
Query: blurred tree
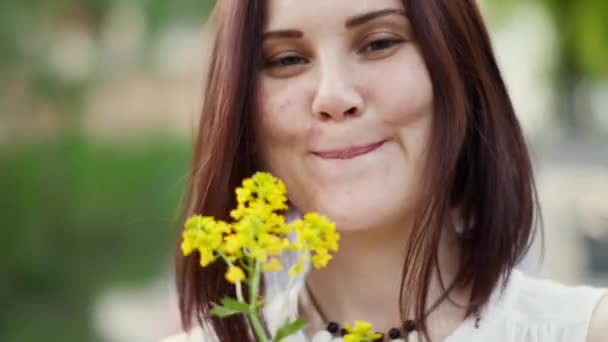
x,y
79,217
582,29
582,47
28,30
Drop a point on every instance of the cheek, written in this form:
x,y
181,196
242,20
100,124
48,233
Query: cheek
x,y
405,102
282,122
405,93
275,119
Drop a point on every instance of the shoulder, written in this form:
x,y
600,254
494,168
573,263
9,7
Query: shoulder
x,y
193,335
536,299
549,310
598,329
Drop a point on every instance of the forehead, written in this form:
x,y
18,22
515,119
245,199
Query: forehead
x,y
313,13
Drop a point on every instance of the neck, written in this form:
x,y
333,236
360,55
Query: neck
x,y
363,282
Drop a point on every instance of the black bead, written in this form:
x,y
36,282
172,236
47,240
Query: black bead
x,y
394,333
477,319
333,327
409,326
343,332
380,338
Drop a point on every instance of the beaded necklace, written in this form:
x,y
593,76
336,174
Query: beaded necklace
x,y
408,332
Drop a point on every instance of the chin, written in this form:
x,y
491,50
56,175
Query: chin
x,y
352,212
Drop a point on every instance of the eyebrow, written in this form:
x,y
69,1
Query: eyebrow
x,y
351,22
361,19
283,34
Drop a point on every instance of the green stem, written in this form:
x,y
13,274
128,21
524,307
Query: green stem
x,y
258,328
238,285
290,285
254,319
239,292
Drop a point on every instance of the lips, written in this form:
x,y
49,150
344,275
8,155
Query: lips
x,y
349,152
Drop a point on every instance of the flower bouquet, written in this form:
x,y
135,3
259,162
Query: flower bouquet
x,y
251,245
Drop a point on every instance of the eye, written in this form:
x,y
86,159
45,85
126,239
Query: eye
x,y
285,61
381,44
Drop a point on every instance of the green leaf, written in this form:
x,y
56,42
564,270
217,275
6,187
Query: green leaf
x,y
289,329
229,307
220,311
234,304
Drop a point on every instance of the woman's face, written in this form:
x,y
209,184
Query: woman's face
x,y
344,109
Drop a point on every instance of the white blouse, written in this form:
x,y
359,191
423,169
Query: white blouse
x,y
528,310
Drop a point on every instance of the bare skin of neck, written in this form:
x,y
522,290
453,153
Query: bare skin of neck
x,y
363,282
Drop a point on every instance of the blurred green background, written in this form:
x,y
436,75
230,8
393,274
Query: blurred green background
x,y
90,184
98,101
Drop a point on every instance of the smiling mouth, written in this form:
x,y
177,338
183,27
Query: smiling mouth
x,y
349,152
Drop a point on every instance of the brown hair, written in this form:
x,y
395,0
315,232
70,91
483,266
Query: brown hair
x,y
478,160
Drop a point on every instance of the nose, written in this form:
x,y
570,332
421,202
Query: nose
x,y
337,97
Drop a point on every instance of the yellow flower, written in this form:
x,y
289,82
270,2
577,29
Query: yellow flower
x,y
321,258
252,209
299,268
206,256
259,232
235,274
258,253
233,244
276,224
362,332
316,234
262,189
271,243
205,234
296,269
273,265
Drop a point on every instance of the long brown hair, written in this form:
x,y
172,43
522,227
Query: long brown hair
x,y
478,160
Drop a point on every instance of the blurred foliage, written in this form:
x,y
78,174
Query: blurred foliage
x,y
581,31
28,29
26,19
79,217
